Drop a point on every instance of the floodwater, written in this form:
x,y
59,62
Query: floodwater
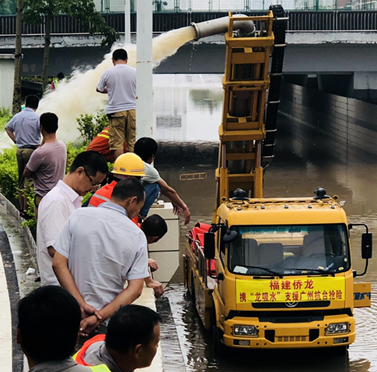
x,y
298,169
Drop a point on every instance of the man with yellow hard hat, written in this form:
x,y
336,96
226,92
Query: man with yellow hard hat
x,y
126,166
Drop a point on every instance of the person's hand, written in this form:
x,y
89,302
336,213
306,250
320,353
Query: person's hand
x,y
88,310
176,210
187,214
88,325
156,286
152,264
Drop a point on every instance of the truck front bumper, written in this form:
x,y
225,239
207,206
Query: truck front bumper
x,y
290,335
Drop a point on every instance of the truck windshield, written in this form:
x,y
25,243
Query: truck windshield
x,y
289,250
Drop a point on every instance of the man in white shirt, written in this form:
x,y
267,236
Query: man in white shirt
x,y
87,172
100,249
119,82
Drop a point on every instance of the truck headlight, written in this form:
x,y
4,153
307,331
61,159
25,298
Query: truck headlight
x,y
243,330
336,328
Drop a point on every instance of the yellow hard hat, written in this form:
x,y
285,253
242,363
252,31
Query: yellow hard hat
x,y
129,164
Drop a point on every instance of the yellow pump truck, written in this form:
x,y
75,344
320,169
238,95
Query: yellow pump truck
x,y
269,272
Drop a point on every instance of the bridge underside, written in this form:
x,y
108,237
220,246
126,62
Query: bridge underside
x,y
343,68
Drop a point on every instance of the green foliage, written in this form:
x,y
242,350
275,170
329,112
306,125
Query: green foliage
x,y
72,152
5,116
84,11
91,125
9,174
8,7
34,79
32,222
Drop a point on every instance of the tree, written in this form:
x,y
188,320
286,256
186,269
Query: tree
x,y
16,104
43,11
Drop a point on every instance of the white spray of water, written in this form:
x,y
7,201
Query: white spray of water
x,y
79,95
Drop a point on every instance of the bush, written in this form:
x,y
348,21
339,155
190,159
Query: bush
x,y
5,116
91,125
72,152
9,174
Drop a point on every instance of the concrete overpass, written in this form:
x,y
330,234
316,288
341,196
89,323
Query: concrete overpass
x,y
333,51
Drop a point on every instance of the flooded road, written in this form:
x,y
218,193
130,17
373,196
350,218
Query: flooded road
x,y
298,169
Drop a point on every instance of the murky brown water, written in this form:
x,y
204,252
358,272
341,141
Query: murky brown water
x,y
290,174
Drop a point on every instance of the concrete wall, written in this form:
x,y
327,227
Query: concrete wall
x,y
6,80
346,125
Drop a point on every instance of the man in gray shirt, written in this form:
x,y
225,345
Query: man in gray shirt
x,y
23,130
99,249
119,82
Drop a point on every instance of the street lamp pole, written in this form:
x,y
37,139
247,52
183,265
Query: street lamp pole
x,y
144,69
127,22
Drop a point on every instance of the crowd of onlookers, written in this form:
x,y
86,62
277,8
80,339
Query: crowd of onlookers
x,y
92,258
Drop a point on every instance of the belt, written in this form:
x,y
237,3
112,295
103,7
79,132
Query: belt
x,y
28,147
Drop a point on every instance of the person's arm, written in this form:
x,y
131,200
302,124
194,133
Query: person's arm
x,y
11,135
102,86
104,91
32,166
177,202
152,264
28,173
51,251
65,278
127,296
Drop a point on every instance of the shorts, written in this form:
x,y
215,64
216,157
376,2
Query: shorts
x,y
23,156
122,129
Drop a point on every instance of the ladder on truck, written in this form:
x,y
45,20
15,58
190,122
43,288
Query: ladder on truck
x,y
246,81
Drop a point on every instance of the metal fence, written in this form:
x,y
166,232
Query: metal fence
x,y
162,22
108,6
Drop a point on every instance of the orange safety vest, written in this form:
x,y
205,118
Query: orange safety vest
x,y
78,357
104,195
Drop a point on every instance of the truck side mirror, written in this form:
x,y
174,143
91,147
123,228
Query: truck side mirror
x,y
366,245
229,236
209,245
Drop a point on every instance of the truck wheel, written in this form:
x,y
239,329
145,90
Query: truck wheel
x,y
218,347
192,289
339,350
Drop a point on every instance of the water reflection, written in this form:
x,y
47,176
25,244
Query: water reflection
x,y
298,169
187,107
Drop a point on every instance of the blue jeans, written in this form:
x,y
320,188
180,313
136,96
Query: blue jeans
x,y
152,191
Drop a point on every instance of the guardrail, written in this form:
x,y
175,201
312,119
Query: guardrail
x,y
162,22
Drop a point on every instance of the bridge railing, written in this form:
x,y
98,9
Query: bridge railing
x,y
162,22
